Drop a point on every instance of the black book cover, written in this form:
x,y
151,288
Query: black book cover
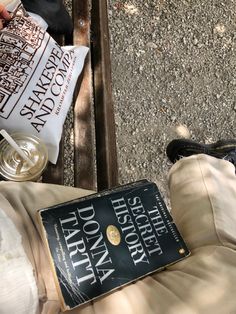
x,y
106,240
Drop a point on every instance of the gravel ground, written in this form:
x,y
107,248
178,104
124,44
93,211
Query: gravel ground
x,y
173,72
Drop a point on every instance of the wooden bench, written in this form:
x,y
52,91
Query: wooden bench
x,y
95,157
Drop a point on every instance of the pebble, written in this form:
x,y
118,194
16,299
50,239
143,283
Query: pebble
x,y
182,131
151,45
219,29
195,41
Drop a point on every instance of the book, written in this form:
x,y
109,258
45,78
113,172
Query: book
x,y
106,240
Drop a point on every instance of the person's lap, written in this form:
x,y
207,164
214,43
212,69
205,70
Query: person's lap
x,y
203,194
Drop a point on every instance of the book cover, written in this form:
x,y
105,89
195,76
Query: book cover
x,y
106,240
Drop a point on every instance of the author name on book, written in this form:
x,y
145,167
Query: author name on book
x,y
87,244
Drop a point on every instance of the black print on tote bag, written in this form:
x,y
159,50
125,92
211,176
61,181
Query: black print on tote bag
x,y
37,80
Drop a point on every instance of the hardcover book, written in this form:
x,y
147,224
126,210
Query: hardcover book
x,y
106,240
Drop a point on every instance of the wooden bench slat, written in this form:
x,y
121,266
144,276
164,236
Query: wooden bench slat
x,y
95,159
84,161
107,170
54,173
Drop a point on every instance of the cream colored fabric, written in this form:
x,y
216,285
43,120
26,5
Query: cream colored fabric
x,y
10,4
16,272
203,197
20,201
5,2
